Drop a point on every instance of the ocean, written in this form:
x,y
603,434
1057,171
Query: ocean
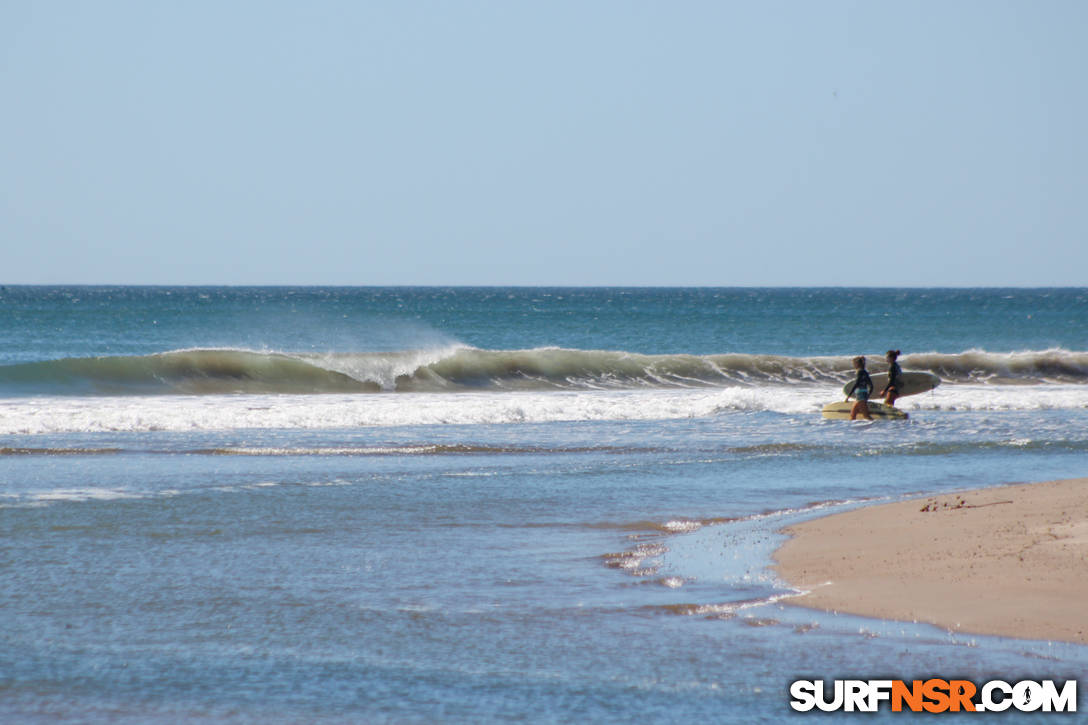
x,y
417,505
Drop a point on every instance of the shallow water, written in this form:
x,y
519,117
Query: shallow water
x,y
581,550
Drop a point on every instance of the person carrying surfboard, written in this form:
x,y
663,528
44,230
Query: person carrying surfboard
x,y
895,376
862,387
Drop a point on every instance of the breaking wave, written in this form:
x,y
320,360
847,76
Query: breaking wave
x,y
191,372
220,371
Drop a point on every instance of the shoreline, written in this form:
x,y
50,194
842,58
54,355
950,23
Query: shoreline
x,y
1010,561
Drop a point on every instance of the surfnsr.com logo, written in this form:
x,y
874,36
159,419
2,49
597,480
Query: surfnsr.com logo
x,y
934,695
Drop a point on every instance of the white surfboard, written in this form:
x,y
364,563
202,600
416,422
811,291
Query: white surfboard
x,y
913,383
840,410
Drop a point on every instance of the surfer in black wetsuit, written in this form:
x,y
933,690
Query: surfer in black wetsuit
x,y
862,387
895,378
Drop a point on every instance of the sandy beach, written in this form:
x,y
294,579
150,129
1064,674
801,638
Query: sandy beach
x,y
1009,561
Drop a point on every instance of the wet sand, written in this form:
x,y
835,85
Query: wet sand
x,y
1009,561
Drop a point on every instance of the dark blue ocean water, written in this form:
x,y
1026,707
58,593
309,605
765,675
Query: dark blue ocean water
x,y
477,505
47,323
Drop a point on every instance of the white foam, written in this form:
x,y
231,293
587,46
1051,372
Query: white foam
x,y
383,369
45,415
333,451
1000,397
680,527
82,494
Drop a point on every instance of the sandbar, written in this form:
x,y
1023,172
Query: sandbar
x,y
1009,561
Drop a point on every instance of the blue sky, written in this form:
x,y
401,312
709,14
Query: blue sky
x,y
521,143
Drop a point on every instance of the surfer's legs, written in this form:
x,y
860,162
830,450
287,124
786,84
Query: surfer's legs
x,y
860,408
891,397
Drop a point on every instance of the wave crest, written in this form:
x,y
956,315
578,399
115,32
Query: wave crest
x,y
192,372
196,372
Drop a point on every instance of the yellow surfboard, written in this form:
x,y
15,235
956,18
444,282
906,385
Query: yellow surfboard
x,y
840,410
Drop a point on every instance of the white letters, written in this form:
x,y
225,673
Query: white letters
x,y
988,698
855,695
803,693
951,695
879,690
1065,701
